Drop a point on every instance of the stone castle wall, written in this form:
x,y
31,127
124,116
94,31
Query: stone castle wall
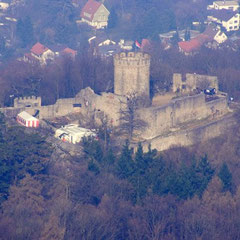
x,y
189,137
185,83
85,101
161,120
131,73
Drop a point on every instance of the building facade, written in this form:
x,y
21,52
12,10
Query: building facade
x,y
72,133
94,14
229,5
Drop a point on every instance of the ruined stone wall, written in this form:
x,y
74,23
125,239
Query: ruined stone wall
x,y
11,112
218,107
131,73
110,104
61,108
185,83
161,120
86,101
190,136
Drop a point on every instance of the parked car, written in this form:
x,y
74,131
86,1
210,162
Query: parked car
x,y
209,91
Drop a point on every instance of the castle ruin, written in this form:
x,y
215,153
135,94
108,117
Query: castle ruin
x,y
187,83
168,122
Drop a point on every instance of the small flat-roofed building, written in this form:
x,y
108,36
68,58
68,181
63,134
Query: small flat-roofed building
x,y
27,120
72,133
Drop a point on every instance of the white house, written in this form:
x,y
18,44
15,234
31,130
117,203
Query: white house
x,y
220,37
214,33
229,5
126,44
27,120
39,53
72,133
94,14
4,6
101,40
226,18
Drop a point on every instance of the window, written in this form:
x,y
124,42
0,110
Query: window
x,y
235,21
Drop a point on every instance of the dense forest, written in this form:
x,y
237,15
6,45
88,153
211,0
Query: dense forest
x,y
110,192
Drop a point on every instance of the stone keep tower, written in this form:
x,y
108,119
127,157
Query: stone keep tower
x,y
131,73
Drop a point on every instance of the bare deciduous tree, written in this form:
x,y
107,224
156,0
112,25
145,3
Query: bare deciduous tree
x,y
131,124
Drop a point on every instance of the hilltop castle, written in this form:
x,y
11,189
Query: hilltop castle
x,y
170,120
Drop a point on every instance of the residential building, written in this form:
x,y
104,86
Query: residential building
x,y
42,54
69,52
229,5
215,34
39,53
226,18
61,50
94,14
193,45
108,50
166,37
4,6
126,44
72,133
27,120
101,40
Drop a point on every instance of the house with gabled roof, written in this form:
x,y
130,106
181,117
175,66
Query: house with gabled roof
x,y
39,53
212,36
228,19
42,54
215,34
69,52
94,14
193,45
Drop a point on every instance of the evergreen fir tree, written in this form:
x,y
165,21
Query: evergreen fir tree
x,y
205,173
125,165
110,157
226,178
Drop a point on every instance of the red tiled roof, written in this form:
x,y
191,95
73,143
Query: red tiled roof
x,y
38,49
145,43
189,46
211,31
70,51
194,44
90,8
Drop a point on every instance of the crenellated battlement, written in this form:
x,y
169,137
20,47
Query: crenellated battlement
x,y
30,101
132,59
28,98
